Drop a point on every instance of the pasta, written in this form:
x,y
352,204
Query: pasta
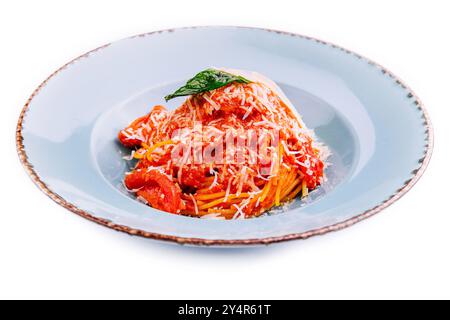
x,y
235,148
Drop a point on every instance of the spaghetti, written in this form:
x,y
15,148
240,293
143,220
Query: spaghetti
x,y
234,151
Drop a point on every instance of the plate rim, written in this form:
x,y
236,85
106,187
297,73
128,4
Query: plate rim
x,y
408,184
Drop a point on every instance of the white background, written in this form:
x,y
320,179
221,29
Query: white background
x,y
48,252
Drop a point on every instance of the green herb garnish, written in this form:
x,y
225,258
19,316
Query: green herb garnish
x,y
204,81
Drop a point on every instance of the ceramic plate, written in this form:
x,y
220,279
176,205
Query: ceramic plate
x,y
377,129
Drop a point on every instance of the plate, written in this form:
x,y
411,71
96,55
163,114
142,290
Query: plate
x,y
377,129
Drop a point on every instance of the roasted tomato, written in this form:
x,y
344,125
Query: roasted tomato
x,y
156,188
138,131
193,176
130,136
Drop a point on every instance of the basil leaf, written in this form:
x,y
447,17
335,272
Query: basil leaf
x,y
204,81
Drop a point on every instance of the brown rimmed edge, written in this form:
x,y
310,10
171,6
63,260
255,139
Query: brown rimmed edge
x,y
416,173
